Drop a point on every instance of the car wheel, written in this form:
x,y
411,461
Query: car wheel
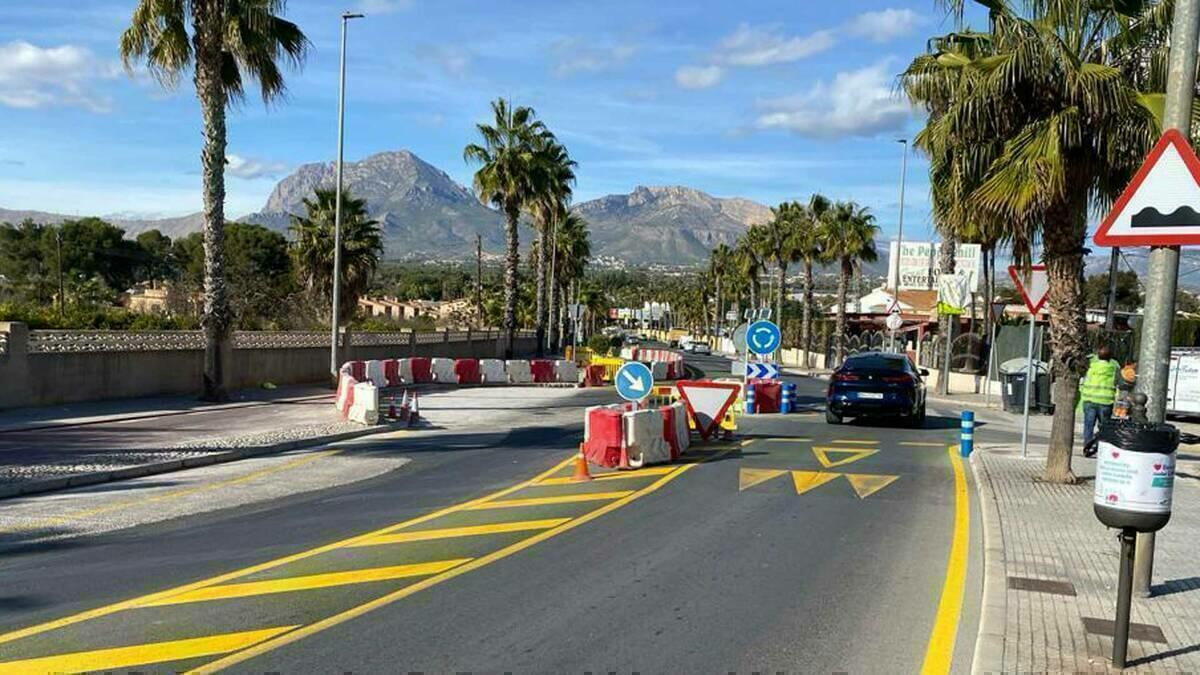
x,y
918,420
832,417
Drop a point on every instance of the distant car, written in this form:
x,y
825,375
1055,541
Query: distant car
x,y
700,348
632,339
877,384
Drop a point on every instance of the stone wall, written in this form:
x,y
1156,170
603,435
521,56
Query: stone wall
x,y
52,367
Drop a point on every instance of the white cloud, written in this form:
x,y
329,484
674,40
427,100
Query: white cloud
x,y
575,55
884,25
751,46
250,168
698,77
38,77
383,6
857,103
454,61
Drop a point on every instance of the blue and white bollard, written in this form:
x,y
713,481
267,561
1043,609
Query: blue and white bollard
x,y
749,398
785,397
967,435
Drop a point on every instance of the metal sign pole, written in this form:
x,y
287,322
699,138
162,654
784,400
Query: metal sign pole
x,y
1028,387
987,380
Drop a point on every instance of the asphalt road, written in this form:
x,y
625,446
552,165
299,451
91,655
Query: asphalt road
x,y
800,547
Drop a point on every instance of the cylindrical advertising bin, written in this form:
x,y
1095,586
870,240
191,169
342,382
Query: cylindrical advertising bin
x,y
1135,474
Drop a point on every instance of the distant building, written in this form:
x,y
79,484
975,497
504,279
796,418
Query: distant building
x,y
457,312
146,299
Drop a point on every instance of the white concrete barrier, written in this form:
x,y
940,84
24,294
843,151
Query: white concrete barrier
x,y
566,371
683,435
365,407
493,371
518,372
644,438
405,371
659,370
375,374
443,370
345,391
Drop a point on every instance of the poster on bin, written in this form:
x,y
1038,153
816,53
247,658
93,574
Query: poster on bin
x,y
1133,481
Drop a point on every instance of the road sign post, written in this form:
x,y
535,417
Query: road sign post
x,y
1034,287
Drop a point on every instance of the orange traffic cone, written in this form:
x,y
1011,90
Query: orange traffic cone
x,y
391,412
415,411
404,406
581,467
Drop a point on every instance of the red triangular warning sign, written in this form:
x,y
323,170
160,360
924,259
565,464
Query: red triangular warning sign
x,y
1033,287
707,402
1161,205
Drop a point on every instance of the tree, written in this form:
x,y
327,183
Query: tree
x,y
229,40
1049,121
573,249
779,246
720,264
748,259
313,244
847,238
556,176
807,242
1129,297
508,179
258,272
157,260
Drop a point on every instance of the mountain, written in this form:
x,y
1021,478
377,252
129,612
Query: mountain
x,y
172,227
421,210
667,224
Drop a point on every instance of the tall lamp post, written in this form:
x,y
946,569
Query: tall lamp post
x,y
337,209
899,229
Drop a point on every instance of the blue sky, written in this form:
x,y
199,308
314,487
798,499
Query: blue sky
x,y
767,100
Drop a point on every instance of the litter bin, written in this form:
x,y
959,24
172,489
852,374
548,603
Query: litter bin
x,y
1013,375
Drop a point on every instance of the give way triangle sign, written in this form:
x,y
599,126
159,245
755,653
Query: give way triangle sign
x,y
1033,285
1161,205
707,402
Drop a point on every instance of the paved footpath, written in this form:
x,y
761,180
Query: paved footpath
x,y
1039,531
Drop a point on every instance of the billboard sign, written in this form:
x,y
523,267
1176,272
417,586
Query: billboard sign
x,y
917,257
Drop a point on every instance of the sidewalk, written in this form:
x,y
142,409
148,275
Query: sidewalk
x,y
1037,531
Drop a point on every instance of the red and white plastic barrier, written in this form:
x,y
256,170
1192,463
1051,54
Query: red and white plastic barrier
x,y
566,371
673,361
443,370
376,373
617,437
518,371
493,371
645,442
466,371
422,369
542,370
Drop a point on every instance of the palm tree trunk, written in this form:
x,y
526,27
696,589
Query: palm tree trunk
x,y
540,303
512,258
720,309
779,293
207,19
1064,237
551,288
946,251
839,332
806,314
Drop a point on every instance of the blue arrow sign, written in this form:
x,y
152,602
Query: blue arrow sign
x,y
762,371
634,381
763,337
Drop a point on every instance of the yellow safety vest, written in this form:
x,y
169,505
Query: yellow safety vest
x,y
1099,386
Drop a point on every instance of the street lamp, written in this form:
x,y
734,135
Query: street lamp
x,y
337,209
899,229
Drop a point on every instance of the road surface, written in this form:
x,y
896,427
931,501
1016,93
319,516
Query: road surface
x,y
797,547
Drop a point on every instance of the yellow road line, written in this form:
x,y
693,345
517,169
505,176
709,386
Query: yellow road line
x,y
310,581
354,612
940,653
790,440
922,444
845,441
556,499
470,531
619,475
253,475
144,654
271,564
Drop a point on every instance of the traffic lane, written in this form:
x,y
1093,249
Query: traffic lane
x,y
697,577
60,578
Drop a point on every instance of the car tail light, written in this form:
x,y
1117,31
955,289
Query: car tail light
x,y
898,379
845,377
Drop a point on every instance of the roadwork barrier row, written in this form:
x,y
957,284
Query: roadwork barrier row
x,y
619,437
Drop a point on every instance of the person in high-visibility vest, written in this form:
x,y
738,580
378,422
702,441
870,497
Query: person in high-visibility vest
x,y
1098,391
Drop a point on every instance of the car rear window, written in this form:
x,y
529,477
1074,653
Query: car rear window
x,y
875,363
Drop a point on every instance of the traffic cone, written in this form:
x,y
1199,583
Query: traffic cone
x,y
391,412
415,411
404,406
581,467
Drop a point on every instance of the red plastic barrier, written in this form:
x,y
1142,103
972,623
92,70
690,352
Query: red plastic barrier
x,y
358,370
391,372
593,376
766,396
467,371
602,446
421,370
542,370
668,415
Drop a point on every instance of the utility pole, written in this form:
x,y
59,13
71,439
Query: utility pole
x,y
479,278
337,209
1154,360
62,292
1110,313
899,230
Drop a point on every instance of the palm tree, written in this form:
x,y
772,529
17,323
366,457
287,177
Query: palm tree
x,y
778,240
1048,102
806,240
573,248
749,261
508,179
312,248
230,40
847,238
556,178
720,263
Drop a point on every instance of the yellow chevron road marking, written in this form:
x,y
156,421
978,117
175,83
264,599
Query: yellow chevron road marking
x,y
138,655
748,478
807,480
823,453
469,531
556,499
309,581
619,475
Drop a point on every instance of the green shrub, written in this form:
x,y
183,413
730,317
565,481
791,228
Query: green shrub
x,y
598,344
